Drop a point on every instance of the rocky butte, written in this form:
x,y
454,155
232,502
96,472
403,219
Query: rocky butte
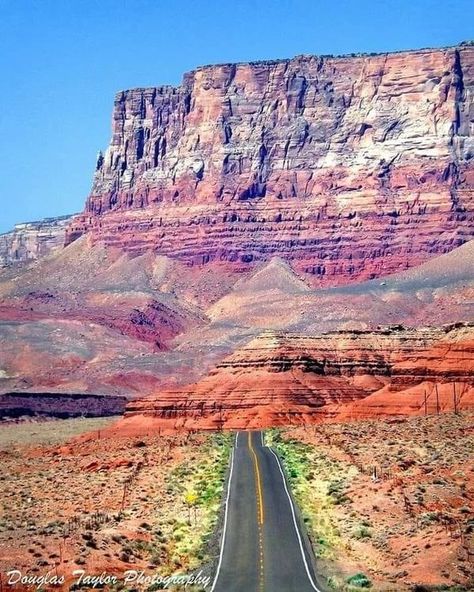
x,y
227,269
347,167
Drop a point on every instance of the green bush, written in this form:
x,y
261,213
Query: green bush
x,y
359,580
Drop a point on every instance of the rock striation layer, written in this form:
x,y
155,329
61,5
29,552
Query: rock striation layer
x,y
90,319
437,379
281,379
348,167
32,240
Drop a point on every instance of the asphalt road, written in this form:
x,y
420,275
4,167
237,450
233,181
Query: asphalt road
x,y
263,548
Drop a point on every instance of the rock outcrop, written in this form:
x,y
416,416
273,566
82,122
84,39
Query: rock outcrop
x,y
280,379
31,240
98,285
20,405
347,167
437,379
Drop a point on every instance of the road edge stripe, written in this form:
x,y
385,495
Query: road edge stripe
x,y
308,573
224,530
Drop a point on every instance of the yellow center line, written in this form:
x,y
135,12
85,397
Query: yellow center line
x,y
260,513
258,480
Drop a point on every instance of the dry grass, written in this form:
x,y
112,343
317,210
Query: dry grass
x,y
33,433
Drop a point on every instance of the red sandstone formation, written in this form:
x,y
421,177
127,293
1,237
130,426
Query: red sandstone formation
x,y
437,379
280,379
222,207
100,286
348,167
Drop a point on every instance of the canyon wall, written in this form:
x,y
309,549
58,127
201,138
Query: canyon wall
x,y
31,240
348,167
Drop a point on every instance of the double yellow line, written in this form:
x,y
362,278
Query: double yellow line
x,y
260,512
258,480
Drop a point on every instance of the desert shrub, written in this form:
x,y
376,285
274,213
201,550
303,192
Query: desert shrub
x,y
362,533
92,543
334,488
359,580
429,517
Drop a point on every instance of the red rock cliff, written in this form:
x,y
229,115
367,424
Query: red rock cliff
x,y
349,167
283,379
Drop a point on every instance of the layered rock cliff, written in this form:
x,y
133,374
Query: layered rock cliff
x,y
293,173
280,379
31,240
348,167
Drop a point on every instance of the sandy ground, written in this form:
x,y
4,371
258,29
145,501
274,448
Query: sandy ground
x,y
108,505
391,500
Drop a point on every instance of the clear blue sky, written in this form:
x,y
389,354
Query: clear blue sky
x,y
61,62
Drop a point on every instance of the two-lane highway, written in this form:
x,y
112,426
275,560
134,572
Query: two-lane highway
x,y
262,548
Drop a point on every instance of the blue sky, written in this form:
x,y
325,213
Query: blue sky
x,y
61,63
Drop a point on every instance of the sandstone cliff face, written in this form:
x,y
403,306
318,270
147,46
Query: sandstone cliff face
x,y
348,167
281,379
436,379
32,240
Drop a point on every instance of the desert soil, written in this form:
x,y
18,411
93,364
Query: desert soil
x,y
392,501
105,505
